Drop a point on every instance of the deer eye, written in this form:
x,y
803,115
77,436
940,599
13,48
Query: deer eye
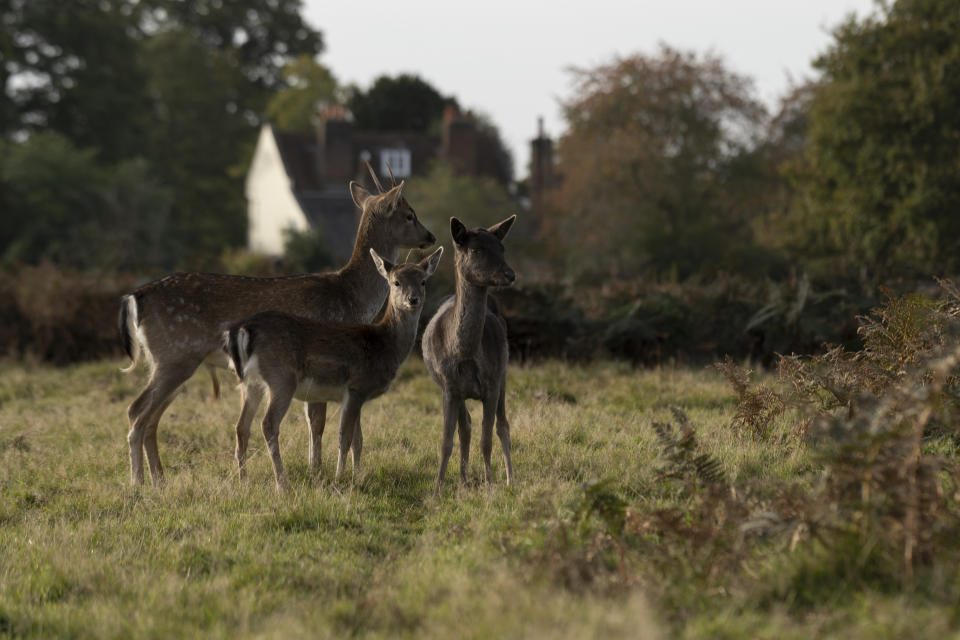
x,y
396,283
423,283
409,217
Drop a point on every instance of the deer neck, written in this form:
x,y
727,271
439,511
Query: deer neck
x,y
401,327
469,312
360,274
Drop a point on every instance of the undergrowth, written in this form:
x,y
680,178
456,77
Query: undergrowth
x,y
876,508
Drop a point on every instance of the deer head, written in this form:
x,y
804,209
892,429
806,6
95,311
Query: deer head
x,y
407,281
478,254
391,213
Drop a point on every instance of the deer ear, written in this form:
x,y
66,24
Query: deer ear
x,y
359,194
457,231
395,194
383,266
429,264
502,228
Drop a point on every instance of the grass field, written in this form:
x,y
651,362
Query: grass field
x,y
83,554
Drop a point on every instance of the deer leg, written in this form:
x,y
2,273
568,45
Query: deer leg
x,y
279,403
463,424
349,423
486,436
316,421
212,370
357,446
252,395
150,444
451,411
503,430
144,416
135,436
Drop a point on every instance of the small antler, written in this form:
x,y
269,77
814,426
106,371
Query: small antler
x,y
393,181
373,174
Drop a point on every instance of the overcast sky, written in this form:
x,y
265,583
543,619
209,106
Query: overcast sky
x,y
508,58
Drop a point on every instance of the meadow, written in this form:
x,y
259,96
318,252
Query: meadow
x,y
601,535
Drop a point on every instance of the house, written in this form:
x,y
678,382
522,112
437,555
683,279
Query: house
x,y
300,181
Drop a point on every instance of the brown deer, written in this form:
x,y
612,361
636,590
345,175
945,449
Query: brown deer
x,y
289,357
465,345
177,322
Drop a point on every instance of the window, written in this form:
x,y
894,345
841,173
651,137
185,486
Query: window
x,y
398,161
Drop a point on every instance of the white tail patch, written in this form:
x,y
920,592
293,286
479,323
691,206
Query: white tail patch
x,y
136,335
247,363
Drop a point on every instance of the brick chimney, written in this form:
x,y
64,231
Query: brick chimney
x,y
542,176
335,152
460,141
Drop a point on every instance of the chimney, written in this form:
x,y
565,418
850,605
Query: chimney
x,y
542,177
335,153
460,141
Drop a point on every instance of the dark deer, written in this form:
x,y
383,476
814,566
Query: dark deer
x,y
288,357
177,322
465,346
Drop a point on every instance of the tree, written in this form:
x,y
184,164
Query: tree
x,y
309,86
493,157
879,185
197,134
52,193
61,205
176,86
658,153
404,103
72,68
260,38
442,194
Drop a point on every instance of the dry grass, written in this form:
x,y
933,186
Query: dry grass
x,y
83,554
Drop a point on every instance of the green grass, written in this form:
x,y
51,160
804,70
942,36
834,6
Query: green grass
x,y
83,554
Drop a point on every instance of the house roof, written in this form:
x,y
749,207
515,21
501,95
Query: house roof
x,y
328,208
335,214
299,154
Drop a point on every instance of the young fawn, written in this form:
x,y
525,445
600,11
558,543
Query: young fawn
x,y
291,357
177,322
465,345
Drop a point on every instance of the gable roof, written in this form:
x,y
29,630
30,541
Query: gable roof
x,y
334,213
329,209
299,154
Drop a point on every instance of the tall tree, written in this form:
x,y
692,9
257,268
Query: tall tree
x,y
259,37
403,103
197,134
309,85
880,180
658,151
72,67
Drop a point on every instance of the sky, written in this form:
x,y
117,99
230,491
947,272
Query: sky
x,y
509,59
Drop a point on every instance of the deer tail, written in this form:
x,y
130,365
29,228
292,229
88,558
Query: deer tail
x,y
238,345
128,321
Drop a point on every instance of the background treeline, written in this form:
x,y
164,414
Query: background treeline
x,y
686,218
127,125
855,176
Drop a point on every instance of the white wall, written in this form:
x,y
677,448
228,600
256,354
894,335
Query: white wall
x,y
271,207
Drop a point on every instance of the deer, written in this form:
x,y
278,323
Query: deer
x,y
176,323
465,346
287,357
